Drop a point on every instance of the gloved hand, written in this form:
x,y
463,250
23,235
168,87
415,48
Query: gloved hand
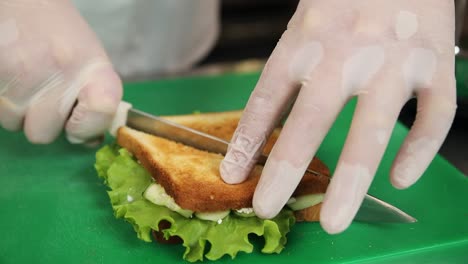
x,y
53,73
383,52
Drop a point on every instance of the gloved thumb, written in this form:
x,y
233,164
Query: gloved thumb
x,y
96,105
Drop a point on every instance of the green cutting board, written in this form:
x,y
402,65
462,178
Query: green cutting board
x,y
54,209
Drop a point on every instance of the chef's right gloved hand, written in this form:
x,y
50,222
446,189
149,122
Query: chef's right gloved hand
x,y
383,52
54,74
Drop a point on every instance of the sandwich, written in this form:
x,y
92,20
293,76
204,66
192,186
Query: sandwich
x,y
174,193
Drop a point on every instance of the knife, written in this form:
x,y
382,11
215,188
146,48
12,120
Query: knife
x,y
372,209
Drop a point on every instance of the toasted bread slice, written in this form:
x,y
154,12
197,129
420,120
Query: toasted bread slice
x,y
221,124
191,176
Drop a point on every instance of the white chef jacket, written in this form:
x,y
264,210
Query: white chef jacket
x,y
147,37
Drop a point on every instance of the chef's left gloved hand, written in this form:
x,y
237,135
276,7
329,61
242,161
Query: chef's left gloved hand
x,y
54,74
384,52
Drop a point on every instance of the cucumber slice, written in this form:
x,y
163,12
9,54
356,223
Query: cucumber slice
x,y
291,200
306,201
212,216
245,212
156,194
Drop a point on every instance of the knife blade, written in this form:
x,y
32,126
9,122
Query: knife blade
x,y
375,210
161,127
372,209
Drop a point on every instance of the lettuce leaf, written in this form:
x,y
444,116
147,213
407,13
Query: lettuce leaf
x,y
127,181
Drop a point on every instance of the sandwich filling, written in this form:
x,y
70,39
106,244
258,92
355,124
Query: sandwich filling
x,y
156,194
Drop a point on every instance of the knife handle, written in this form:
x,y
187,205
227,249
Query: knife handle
x,y
120,118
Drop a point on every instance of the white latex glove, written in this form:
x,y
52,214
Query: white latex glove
x,y
381,51
53,73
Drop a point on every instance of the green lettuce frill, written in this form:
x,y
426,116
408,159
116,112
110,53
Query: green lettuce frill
x,y
127,181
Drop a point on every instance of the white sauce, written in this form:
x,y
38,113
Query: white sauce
x,y
305,60
361,67
406,25
419,68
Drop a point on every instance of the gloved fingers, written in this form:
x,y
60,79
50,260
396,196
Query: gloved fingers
x,y
97,103
11,114
50,107
14,99
47,110
373,121
435,114
312,115
277,85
